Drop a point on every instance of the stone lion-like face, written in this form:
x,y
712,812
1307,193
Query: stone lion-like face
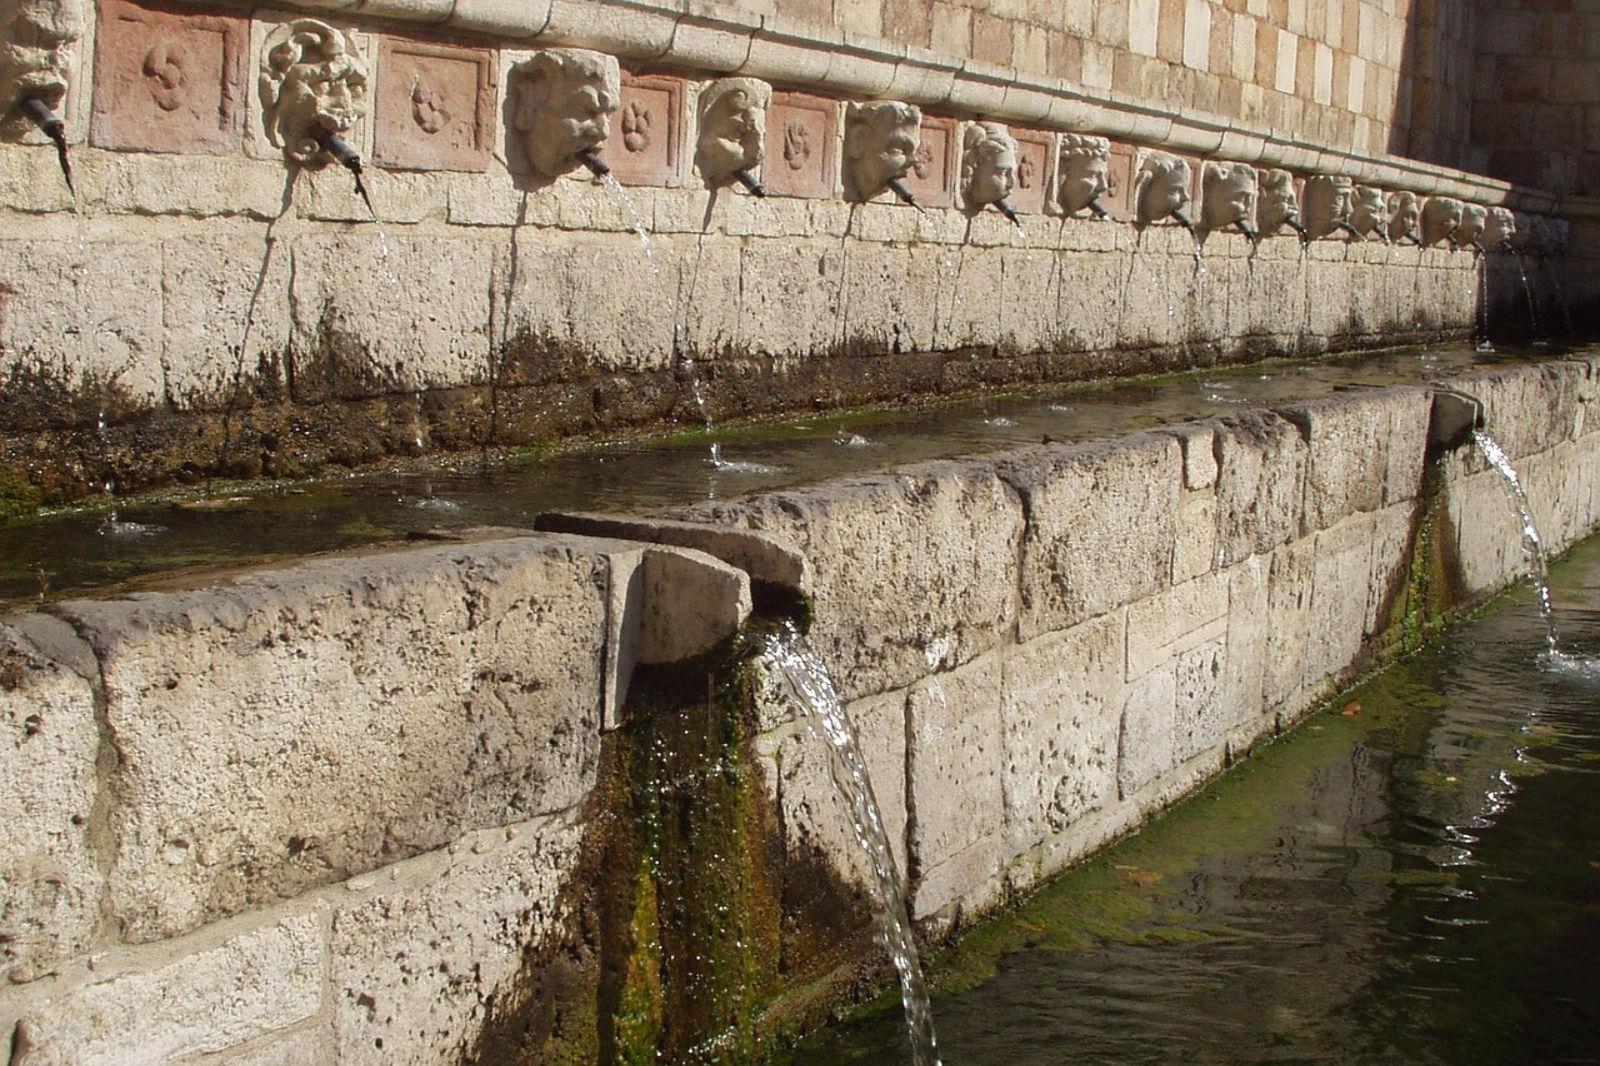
x,y
1085,173
1163,187
565,98
312,78
1277,205
988,164
37,38
880,145
1405,212
1369,211
1229,194
733,123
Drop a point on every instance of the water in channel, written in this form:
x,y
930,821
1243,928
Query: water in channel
x,y
1414,880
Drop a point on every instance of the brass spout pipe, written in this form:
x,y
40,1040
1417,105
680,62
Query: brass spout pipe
x,y
596,165
748,180
898,187
1341,224
1099,212
346,157
55,129
1010,212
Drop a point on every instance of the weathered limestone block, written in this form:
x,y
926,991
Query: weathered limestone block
x,y
1527,412
1145,749
208,1000
792,301
765,558
1261,464
366,323
1194,552
955,771
1341,591
1102,522
1350,466
1488,534
1249,629
1289,607
1200,720
1088,295
299,726
1170,622
419,965
213,290
912,570
50,884
308,1046
82,315
1061,712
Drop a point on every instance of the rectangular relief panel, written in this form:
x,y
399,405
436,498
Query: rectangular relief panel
x,y
435,106
1118,199
1035,175
167,81
933,176
802,146
646,142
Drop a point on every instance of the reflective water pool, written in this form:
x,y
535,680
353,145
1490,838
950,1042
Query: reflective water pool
x,y
1413,878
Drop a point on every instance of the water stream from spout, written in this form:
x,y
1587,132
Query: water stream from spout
x,y
806,680
1533,307
1481,291
1532,545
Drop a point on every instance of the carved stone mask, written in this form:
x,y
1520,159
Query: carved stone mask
x,y
312,78
1327,204
1228,194
733,127
1277,205
1085,167
36,56
564,100
1501,229
1440,217
1405,212
1474,219
988,163
1369,212
1161,188
880,145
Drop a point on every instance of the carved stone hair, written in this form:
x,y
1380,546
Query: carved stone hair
x,y
1085,144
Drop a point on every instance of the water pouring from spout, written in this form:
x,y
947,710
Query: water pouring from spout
x,y
597,166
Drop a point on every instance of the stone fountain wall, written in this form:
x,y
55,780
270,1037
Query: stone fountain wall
x,y
213,307
345,811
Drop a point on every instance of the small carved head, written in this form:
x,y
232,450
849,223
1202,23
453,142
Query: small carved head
x,y
562,107
1278,205
733,128
1161,188
880,145
1327,203
988,163
1369,212
1085,166
36,55
1405,213
1474,219
1440,217
1500,231
1228,194
312,78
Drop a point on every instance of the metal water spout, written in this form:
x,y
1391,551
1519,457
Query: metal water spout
x,y
1245,228
41,115
596,165
1183,220
1294,224
1010,212
748,180
898,187
1347,228
346,157
1452,419
1099,212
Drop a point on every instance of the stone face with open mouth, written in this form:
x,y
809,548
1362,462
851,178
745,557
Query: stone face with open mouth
x,y
880,146
565,97
312,79
37,39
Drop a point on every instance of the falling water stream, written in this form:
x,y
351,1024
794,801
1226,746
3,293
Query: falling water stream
x,y
807,681
1532,544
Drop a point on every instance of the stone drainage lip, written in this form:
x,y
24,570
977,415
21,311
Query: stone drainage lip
x,y
1454,417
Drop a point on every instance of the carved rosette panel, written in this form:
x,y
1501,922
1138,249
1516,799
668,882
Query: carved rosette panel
x,y
38,58
801,150
1031,193
166,82
434,108
646,145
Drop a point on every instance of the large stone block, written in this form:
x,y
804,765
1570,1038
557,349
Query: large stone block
x,y
792,299
295,727
1102,523
1061,715
1349,460
418,965
1488,532
225,310
1261,464
911,571
375,315
50,881
1249,629
1290,579
205,1000
1145,749
1341,591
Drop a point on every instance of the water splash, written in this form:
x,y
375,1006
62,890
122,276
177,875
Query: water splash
x,y
806,680
852,440
1532,545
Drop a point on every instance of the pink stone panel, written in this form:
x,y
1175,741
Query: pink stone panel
x,y
646,142
802,149
933,176
1119,176
434,106
1033,170
167,81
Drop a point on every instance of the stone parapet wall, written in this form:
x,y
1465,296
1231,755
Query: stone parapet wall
x,y
329,812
